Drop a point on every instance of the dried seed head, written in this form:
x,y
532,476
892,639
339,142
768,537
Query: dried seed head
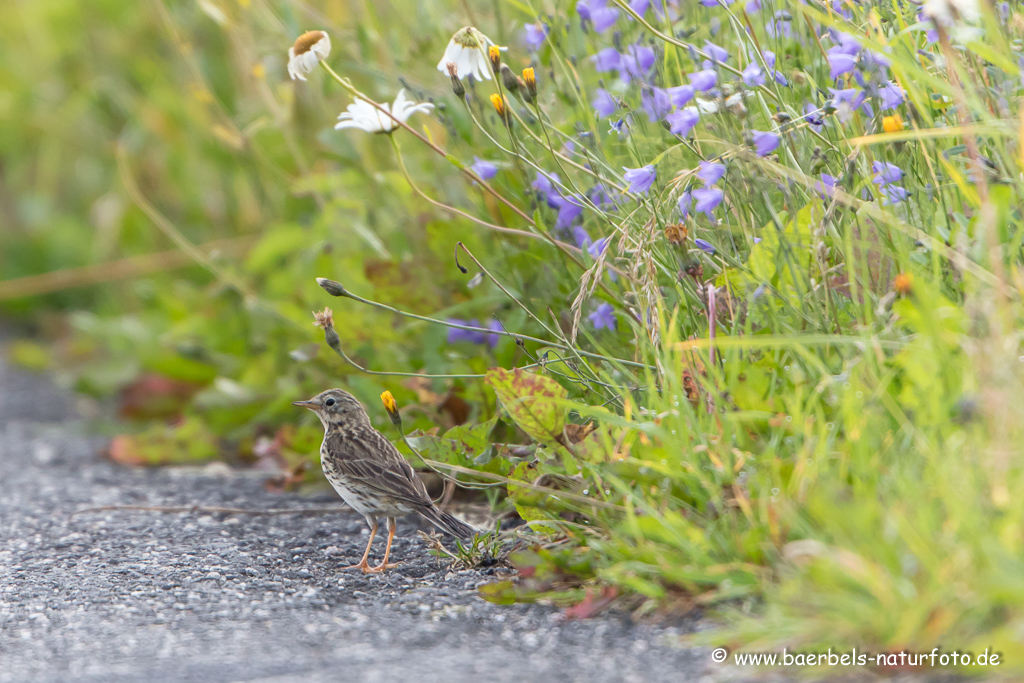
x,y
457,87
676,233
324,319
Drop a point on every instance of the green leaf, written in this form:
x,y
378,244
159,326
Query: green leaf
x,y
499,593
464,445
178,367
533,401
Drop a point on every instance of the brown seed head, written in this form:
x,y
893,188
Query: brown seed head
x,y
307,40
676,233
453,72
324,319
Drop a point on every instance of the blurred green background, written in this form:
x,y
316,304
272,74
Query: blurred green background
x,y
131,130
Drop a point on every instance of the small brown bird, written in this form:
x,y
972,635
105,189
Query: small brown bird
x,y
370,474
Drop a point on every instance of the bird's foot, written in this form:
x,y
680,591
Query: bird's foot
x,y
380,568
362,565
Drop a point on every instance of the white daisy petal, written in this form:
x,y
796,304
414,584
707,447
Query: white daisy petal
x,y
449,56
309,50
363,115
467,49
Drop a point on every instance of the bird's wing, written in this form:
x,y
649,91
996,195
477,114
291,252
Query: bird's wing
x,y
367,457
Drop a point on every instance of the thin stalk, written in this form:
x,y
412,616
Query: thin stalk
x,y
422,138
470,328
459,212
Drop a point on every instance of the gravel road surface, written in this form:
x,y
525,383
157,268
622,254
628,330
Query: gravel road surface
x,y
139,596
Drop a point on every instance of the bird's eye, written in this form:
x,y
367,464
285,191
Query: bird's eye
x,y
329,402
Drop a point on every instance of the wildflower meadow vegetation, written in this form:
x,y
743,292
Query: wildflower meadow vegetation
x,y
724,298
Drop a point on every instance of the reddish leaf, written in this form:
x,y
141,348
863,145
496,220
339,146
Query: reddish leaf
x,y
592,604
535,402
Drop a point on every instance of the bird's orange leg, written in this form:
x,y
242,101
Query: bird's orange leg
x,y
366,553
387,550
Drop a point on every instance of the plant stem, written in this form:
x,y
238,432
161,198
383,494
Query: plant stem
x,y
469,328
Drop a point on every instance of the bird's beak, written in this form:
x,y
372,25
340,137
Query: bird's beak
x,y
305,404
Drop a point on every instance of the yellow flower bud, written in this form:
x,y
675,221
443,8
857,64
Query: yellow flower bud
x,y
892,124
531,80
499,104
494,52
389,402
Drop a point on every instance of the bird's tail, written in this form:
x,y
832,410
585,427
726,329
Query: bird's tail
x,y
446,522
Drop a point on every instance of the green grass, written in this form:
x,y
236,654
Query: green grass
x,y
838,465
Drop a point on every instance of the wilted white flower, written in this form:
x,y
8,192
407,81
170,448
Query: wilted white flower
x,y
310,48
734,103
706,106
468,51
364,116
946,12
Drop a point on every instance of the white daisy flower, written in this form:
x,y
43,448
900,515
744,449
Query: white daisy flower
x,y
468,51
310,48
364,116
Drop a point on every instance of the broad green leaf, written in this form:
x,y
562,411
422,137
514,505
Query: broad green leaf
x,y
464,445
533,401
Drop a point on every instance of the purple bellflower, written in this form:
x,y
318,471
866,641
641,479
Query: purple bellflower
x,y
640,179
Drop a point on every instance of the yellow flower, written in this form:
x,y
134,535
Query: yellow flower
x,y
392,407
494,52
903,284
530,79
892,124
499,104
